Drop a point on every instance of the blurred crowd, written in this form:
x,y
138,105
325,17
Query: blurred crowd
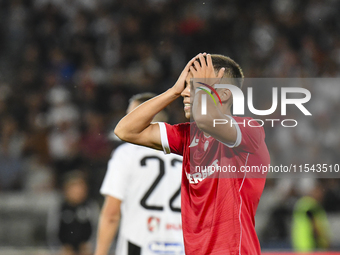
x,y
68,68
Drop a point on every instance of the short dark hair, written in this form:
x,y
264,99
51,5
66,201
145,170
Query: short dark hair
x,y
142,97
72,176
232,69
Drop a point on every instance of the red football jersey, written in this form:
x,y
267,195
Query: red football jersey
x,y
218,209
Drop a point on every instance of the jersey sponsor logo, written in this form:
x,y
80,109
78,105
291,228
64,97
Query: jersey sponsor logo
x,y
204,173
166,248
173,226
194,142
153,224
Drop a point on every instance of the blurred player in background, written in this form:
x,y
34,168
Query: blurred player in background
x,y
141,186
310,226
72,225
218,214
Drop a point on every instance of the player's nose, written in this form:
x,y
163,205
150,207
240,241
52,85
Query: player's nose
x,y
186,92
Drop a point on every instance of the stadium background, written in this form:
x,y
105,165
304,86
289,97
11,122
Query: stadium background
x,y
68,68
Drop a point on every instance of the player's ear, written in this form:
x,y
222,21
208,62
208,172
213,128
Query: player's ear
x,y
226,94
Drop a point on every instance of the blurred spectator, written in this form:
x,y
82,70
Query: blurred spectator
x,y
12,142
39,176
331,201
94,143
73,223
64,132
310,227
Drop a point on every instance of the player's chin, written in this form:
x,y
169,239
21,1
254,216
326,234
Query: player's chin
x,y
188,114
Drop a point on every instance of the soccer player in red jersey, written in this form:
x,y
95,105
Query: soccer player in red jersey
x,y
218,211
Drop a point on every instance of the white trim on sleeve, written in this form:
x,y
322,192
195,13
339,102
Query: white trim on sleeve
x,y
238,135
164,138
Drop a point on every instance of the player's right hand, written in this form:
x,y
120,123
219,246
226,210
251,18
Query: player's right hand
x,y
180,83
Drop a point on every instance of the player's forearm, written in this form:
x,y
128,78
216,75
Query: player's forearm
x,y
106,232
210,122
212,112
134,123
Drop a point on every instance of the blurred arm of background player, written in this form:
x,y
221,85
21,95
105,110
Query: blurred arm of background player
x,y
110,214
108,224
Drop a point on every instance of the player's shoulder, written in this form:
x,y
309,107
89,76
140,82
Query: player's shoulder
x,y
186,128
179,131
185,124
181,126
